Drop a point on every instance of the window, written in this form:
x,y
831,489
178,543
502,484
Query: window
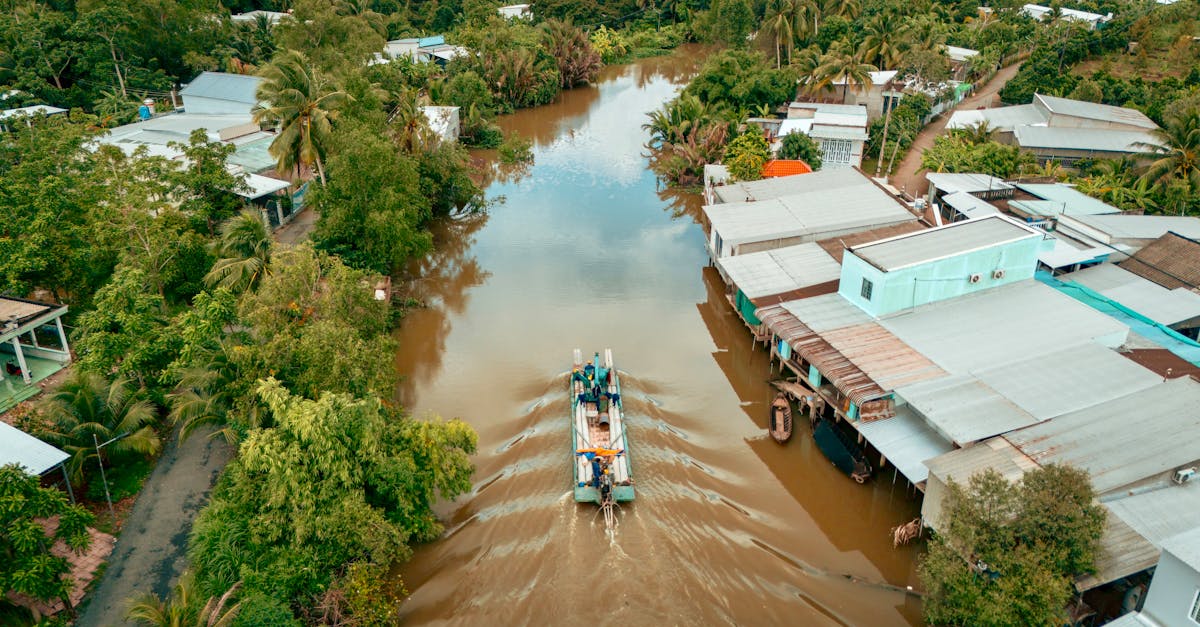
x,y
836,151
1194,614
866,289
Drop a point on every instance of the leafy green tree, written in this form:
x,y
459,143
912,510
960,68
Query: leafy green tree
x,y
28,566
610,44
89,405
728,22
303,105
208,189
746,154
123,333
1087,90
244,254
840,66
330,36
1178,153
955,153
467,89
337,480
1007,553
801,146
741,80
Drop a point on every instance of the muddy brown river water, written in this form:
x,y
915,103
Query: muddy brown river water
x,y
729,527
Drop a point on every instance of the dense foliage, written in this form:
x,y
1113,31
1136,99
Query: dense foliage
x,y
1007,553
802,147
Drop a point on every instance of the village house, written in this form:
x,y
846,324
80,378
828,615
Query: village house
x,y
839,130
516,12
1091,20
882,96
1064,130
420,50
26,115
960,61
1171,261
33,346
444,122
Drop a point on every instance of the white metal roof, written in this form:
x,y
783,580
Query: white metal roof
x,y
1125,440
30,110
907,441
1091,139
781,270
1150,299
177,127
1064,254
241,88
1115,227
32,454
969,205
965,182
826,312
958,238
832,131
250,16
999,118
812,214
1067,198
960,54
1036,11
1095,111
1160,514
879,77
1186,545
767,189
823,107
259,186
1002,325
964,409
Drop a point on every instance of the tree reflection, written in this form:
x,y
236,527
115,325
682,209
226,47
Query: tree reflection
x,y
440,282
682,201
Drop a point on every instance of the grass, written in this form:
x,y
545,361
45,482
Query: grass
x,y
125,479
1161,47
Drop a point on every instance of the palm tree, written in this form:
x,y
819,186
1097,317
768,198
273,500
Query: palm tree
x,y
88,409
1178,151
806,64
781,22
245,253
839,66
176,610
880,43
302,105
980,132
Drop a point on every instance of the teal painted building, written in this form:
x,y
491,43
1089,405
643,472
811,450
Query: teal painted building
x,y
910,270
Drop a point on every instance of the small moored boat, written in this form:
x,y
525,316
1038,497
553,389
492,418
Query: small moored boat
x,y
780,422
842,450
599,444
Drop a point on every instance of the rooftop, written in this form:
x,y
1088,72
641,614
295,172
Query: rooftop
x,y
1088,139
913,249
1118,227
964,182
1172,261
1124,440
1164,306
907,441
768,189
1066,199
1003,119
1094,111
784,167
30,110
1185,546
964,409
780,271
20,311
970,206
33,455
960,54
836,246
223,86
1160,514
178,127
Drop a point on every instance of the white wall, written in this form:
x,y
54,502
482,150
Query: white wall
x,y
1172,592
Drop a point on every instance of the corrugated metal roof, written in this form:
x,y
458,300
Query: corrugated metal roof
x,y
19,310
1003,119
969,205
1132,619
30,110
1064,254
942,242
1091,139
767,189
1067,199
1121,552
1013,322
965,409
1160,514
1140,227
965,182
259,186
1172,261
1154,301
175,127
32,454
837,246
1095,111
1186,546
857,355
837,109
832,131
960,54
221,86
997,454
907,441
813,215
782,270
1125,440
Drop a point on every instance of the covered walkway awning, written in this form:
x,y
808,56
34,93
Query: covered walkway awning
x,y
33,455
907,441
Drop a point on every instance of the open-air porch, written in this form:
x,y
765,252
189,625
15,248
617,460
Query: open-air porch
x,y
33,346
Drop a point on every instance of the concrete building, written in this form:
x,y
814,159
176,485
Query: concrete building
x,y
883,94
1173,599
516,12
1091,20
839,130
219,93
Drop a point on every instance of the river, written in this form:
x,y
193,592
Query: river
x,y
729,527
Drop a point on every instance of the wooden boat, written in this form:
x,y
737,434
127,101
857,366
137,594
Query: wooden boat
x,y
599,439
842,450
780,421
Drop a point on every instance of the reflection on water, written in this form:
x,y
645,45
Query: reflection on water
x,y
729,527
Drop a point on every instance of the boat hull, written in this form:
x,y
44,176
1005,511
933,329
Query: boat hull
x,y
845,454
598,424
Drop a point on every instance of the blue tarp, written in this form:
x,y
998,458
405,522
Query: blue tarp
x,y
1160,334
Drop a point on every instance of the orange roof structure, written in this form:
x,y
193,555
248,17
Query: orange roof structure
x,y
784,167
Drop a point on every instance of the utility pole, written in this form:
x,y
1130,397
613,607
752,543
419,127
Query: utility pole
x,y
103,478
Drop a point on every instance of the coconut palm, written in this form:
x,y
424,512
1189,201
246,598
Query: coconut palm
x,y
244,251
978,133
88,409
841,67
302,105
806,63
881,43
781,23
1177,148
177,611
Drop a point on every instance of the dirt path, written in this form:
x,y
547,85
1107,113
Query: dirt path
x,y
149,556
298,229
908,176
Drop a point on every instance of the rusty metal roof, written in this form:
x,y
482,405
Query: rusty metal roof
x,y
860,357
1172,261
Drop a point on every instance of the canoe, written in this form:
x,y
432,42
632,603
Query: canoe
x,y
780,420
842,450
599,439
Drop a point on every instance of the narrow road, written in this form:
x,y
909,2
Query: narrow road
x,y
298,229
908,176
150,552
